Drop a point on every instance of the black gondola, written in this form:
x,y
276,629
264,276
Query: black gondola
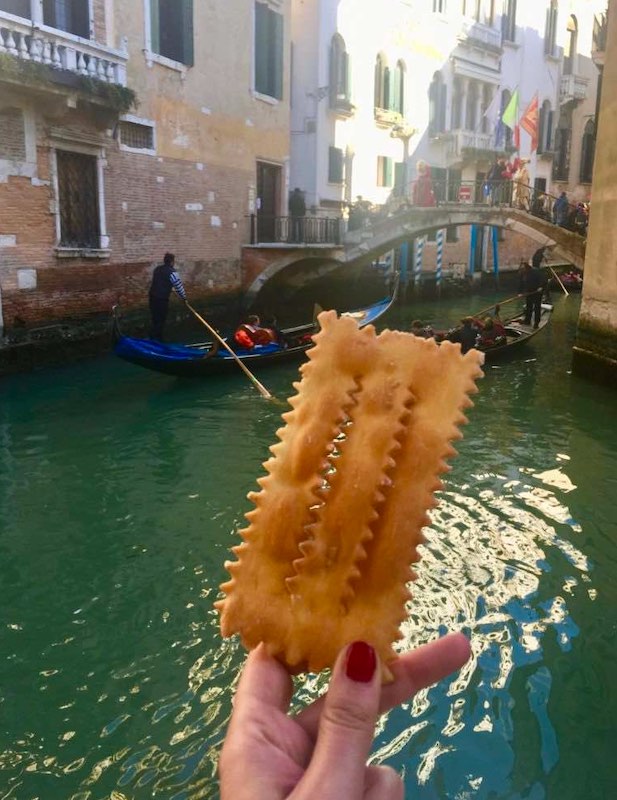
x,y
517,335
208,358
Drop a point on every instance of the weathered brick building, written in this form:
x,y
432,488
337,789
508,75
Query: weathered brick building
x,y
128,129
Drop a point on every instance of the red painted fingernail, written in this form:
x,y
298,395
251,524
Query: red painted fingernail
x,y
361,662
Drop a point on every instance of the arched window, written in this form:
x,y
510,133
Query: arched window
x,y
588,149
563,141
340,93
550,33
545,133
471,107
437,105
382,82
569,54
508,21
396,99
457,103
505,132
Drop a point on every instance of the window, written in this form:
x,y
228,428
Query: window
x,y
12,135
479,10
20,8
268,51
487,98
508,21
335,165
136,135
457,104
339,73
561,163
78,199
471,106
588,148
505,134
400,178
550,32
171,29
437,105
71,16
385,174
396,100
569,56
440,6
382,82
545,134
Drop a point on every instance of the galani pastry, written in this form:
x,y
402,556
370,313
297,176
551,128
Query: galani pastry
x,y
325,559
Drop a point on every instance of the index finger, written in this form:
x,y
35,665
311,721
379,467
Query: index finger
x,y
412,671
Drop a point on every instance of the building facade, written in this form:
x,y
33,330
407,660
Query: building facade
x,y
412,81
130,129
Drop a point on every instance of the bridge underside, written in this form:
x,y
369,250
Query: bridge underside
x,y
287,270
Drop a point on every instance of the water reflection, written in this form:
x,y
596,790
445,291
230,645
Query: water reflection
x,y
114,682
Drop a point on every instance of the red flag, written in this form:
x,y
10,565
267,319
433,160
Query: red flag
x,y
529,121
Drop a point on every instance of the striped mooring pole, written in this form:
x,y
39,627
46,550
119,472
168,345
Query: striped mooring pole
x,y
417,267
439,262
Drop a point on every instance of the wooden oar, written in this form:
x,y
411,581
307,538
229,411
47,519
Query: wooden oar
x,y
259,386
559,281
498,303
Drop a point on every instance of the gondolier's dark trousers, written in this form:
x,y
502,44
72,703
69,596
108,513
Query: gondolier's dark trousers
x,y
533,307
158,313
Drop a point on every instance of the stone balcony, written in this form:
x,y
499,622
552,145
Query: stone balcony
x,y
40,44
469,143
573,89
477,34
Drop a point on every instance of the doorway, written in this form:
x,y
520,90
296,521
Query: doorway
x,y
268,200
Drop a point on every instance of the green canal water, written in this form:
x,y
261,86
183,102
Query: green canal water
x,y
121,492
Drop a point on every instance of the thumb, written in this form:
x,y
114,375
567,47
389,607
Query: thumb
x,y
346,727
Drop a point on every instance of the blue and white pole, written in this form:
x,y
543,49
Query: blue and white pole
x,y
417,267
439,263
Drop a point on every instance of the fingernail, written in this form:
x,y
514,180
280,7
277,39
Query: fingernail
x,y
361,662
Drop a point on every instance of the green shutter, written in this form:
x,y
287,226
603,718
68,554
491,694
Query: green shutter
x,y
395,89
399,177
347,76
155,27
277,44
389,178
187,32
261,48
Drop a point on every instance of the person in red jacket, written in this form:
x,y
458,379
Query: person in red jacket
x,y
250,333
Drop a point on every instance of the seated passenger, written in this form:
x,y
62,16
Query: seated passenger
x,y
250,333
274,332
466,335
418,328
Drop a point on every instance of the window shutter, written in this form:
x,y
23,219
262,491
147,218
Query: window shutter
x,y
388,176
155,27
187,32
335,165
346,76
261,48
277,44
399,178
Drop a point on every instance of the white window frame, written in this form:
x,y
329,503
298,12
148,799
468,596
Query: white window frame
x,y
150,123
157,58
36,17
101,162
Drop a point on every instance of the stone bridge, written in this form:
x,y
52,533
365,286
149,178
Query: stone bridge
x,y
304,263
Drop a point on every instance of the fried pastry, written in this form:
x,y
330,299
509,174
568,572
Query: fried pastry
x,y
325,559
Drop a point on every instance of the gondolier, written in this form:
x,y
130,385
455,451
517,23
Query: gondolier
x,y
532,284
164,279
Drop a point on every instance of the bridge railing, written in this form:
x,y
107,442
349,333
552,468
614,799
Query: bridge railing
x,y
503,193
265,229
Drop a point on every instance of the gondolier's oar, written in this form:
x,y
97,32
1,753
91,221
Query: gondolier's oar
x,y
498,303
259,386
559,281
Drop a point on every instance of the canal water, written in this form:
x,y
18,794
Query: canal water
x,y
121,492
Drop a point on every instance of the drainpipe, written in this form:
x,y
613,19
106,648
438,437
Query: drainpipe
x,y
1,316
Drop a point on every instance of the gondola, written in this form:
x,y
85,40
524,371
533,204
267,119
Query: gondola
x,y
517,335
208,358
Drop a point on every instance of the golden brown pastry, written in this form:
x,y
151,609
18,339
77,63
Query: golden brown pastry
x,y
326,557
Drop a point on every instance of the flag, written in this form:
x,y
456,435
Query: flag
x,y
510,112
529,121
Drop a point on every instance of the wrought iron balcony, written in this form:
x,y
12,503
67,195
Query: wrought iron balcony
x,y
573,89
56,49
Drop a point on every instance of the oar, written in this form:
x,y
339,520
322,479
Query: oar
x,y
498,303
259,386
559,281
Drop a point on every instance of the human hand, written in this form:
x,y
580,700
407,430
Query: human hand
x,y
322,751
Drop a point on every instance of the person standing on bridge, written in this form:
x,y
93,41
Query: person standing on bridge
x,y
521,185
560,210
297,211
423,194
